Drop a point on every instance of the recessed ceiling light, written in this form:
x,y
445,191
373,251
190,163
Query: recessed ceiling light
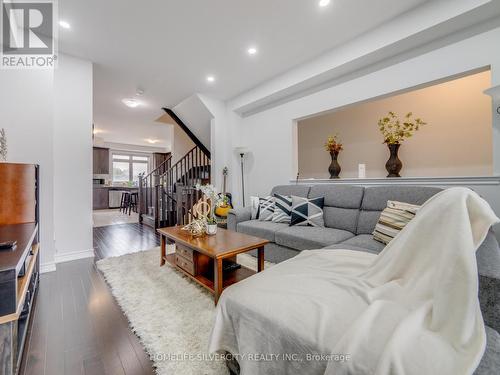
x,y
324,3
211,79
252,51
64,25
130,102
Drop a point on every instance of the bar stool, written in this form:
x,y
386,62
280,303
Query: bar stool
x,y
133,199
125,202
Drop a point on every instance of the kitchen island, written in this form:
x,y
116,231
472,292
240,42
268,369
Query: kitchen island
x,y
102,193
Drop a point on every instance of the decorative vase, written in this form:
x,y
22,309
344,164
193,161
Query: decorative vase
x,y
211,229
393,165
334,167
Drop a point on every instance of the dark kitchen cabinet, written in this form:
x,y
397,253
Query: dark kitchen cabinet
x,y
100,198
101,160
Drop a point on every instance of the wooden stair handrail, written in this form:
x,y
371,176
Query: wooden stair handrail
x,y
171,194
153,172
188,131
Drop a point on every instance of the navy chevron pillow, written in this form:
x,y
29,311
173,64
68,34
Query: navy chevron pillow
x,y
282,209
307,212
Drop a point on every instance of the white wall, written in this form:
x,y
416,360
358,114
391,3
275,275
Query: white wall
x,y
271,134
48,119
181,143
272,130
220,136
26,113
193,112
73,159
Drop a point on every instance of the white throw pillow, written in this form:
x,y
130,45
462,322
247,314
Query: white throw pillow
x,y
254,205
393,219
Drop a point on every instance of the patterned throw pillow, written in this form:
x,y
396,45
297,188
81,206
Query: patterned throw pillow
x,y
266,208
393,219
282,209
307,211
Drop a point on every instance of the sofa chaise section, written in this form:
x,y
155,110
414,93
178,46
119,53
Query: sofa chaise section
x,y
361,242
306,238
351,213
262,229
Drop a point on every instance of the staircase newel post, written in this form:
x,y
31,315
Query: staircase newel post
x,y
180,203
156,181
141,198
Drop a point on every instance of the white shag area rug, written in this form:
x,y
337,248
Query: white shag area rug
x,y
171,315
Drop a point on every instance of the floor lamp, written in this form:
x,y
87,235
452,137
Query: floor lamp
x,y
242,151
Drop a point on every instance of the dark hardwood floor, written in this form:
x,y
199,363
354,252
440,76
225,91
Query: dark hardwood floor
x,y
78,327
116,240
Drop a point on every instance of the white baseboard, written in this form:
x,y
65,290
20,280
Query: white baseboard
x,y
68,256
47,267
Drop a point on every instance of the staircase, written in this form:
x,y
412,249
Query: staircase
x,y
167,194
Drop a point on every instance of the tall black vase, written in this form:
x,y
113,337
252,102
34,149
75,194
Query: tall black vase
x,y
334,167
393,165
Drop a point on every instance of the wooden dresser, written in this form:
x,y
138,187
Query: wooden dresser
x,y
20,266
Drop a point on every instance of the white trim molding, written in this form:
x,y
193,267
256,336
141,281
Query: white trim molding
x,y
68,256
47,267
427,181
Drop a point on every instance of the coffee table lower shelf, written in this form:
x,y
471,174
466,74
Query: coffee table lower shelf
x,y
229,277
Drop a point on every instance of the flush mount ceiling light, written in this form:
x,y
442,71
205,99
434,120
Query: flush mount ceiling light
x,y
152,141
210,79
324,3
131,102
64,25
252,51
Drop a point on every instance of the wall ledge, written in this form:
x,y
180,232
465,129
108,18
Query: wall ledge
x,y
440,181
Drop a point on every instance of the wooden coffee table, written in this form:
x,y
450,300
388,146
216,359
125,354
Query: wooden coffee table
x,y
201,258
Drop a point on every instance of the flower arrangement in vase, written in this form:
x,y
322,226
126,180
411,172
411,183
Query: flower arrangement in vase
x,y
211,194
396,131
333,145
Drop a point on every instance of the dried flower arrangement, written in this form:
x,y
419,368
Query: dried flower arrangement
x,y
204,218
396,131
333,144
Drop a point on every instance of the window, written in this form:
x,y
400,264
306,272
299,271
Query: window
x,y
127,167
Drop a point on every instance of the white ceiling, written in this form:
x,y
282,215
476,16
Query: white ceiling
x,y
168,47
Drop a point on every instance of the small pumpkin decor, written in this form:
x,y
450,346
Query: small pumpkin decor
x,y
334,146
395,131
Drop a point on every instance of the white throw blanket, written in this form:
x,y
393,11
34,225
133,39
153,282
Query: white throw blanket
x,y
411,310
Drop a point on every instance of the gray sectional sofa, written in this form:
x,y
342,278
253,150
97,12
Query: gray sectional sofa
x,y
350,214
